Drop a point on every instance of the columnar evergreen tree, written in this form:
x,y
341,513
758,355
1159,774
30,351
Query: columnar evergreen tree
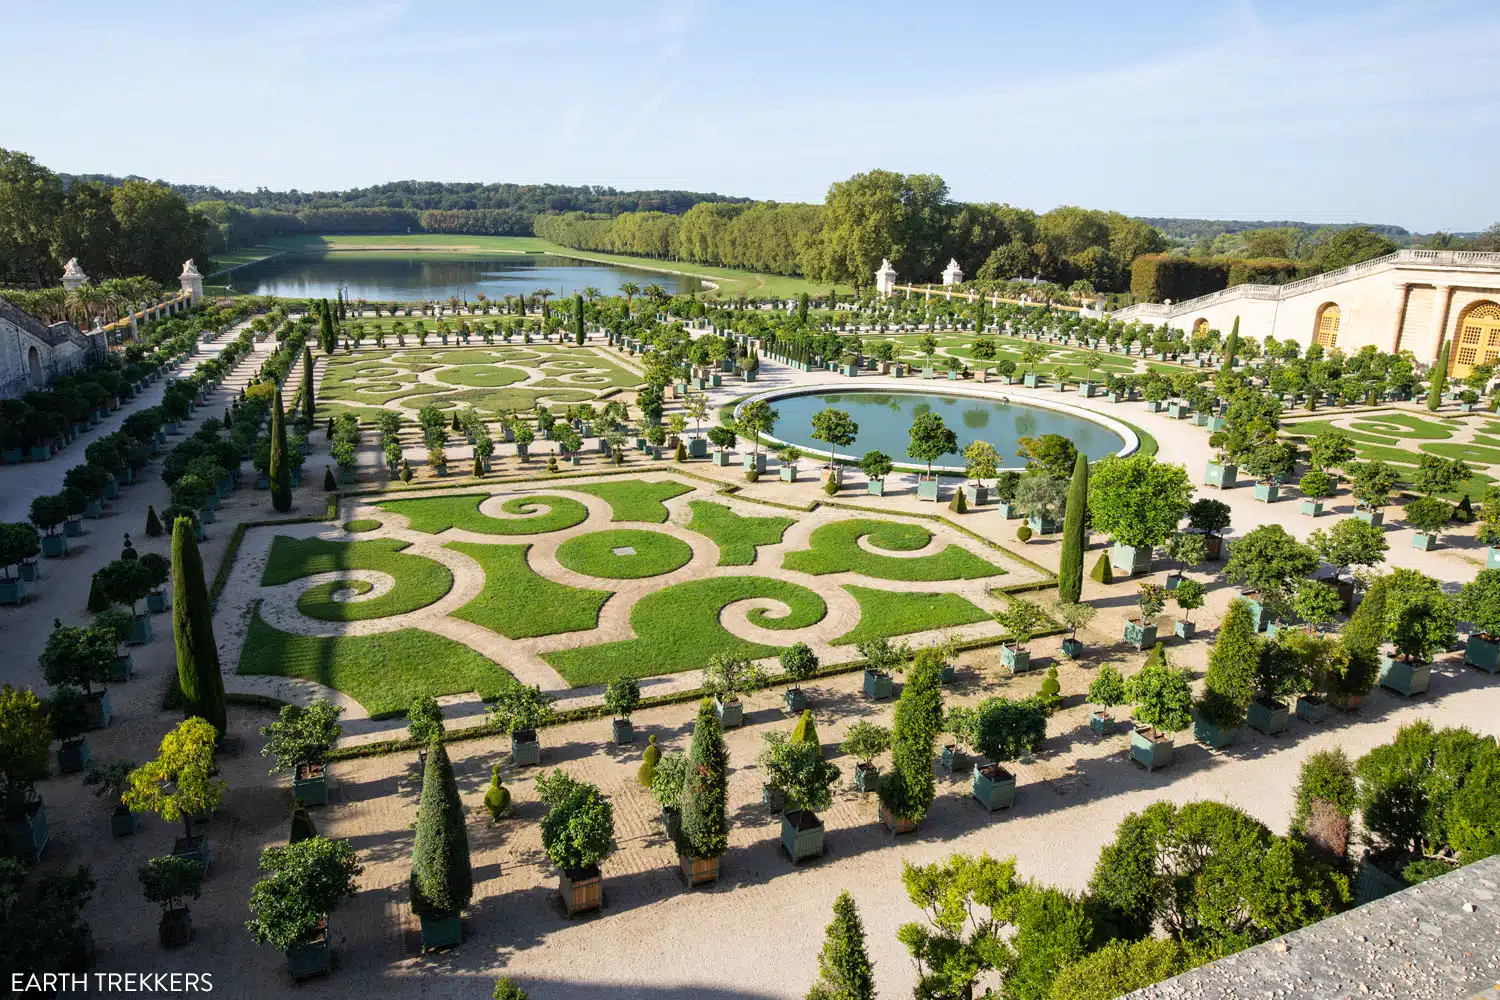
x,y
1231,346
153,523
308,405
280,470
1439,380
909,791
442,882
1229,684
845,971
705,793
193,630
578,319
327,336
1362,640
1074,540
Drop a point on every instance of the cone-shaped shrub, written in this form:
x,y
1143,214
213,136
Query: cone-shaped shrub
x,y
153,523
478,467
307,384
805,731
441,881
960,503
497,796
909,790
1103,572
302,826
681,454
705,822
844,968
198,673
329,483
97,601
1070,572
649,758
280,471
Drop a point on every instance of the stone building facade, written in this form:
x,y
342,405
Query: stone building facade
x,y
1416,300
33,354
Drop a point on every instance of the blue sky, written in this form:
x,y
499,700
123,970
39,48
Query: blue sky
x,y
1325,111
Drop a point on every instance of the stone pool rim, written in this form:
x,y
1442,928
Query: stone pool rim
x,y
1131,441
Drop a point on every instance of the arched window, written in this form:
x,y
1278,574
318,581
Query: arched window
x,y
1477,341
1326,329
34,362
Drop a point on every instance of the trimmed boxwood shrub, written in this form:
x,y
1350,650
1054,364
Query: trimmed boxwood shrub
x,y
442,882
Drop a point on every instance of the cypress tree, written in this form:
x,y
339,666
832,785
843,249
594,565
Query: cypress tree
x,y
1231,346
1070,572
228,420
578,319
844,968
1229,684
909,791
705,821
442,882
328,337
329,483
198,673
1363,638
1439,380
302,826
805,731
97,601
308,407
280,471
153,523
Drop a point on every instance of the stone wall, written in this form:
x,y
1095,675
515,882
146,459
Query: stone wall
x,y
33,354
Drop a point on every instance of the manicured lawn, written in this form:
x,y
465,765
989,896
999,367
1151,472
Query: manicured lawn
x,y
383,672
835,549
884,613
736,536
602,554
361,524
1403,425
482,376
636,499
678,628
1371,447
435,514
419,581
518,603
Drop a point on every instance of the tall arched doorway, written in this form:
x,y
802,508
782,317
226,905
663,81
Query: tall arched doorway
x,y
1326,328
34,363
1477,341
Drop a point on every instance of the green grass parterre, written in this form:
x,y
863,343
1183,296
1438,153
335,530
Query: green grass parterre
x,y
595,554
519,603
419,581
737,536
884,614
436,514
834,548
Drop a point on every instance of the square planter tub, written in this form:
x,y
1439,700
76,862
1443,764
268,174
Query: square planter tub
x,y
1267,717
994,787
1482,651
877,684
866,778
1184,630
1221,476
1404,678
30,833
802,834
1150,748
796,700
442,932
311,958
1314,710
581,890
897,824
698,871
310,785
1130,559
1016,658
1140,634
1101,722
525,748
1374,517
1268,492
731,713
621,732
927,489
1211,735
875,488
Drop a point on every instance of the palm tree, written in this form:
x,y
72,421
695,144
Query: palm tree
x,y
630,290
590,292
655,292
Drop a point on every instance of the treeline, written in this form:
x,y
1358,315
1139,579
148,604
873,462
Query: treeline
x,y
1193,230
132,228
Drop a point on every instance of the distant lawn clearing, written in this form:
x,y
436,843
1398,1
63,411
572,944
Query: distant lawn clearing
x,y
383,672
834,548
518,603
436,514
624,554
885,613
736,536
636,499
419,581
678,628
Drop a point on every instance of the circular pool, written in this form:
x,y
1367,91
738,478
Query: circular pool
x,y
885,417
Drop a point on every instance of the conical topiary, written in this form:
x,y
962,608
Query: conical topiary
x,y
681,453
153,523
1102,571
228,420
646,773
97,601
497,796
805,731
442,882
478,467
302,826
845,971
960,503
705,793
329,483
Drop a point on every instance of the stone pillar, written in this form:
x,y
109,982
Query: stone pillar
x,y
1441,303
192,282
885,278
953,274
1401,295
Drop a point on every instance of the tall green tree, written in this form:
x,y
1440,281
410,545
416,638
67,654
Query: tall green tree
x,y
198,672
1229,684
327,336
1439,379
909,790
280,471
578,319
308,389
705,793
442,882
845,971
1074,540
1231,346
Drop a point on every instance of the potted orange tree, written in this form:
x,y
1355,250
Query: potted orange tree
x,y
299,741
800,663
1000,730
864,742
621,696
806,781
81,657
304,883
578,835
1162,697
1420,621
1479,605
1022,619
724,678
171,881
180,784
519,711
1106,690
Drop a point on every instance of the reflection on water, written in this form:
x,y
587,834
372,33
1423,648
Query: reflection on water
x,y
885,420
410,277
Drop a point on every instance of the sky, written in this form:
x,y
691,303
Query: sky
x,y
1329,111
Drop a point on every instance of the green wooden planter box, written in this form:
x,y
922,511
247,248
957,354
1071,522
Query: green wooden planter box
x,y
1130,559
1007,510
525,752
1072,648
1312,508
29,834
731,713
140,631
197,848
175,929
788,474
72,528
310,785
949,757
802,834
97,708
994,787
1314,710
721,459
697,447
1374,517
1491,557
157,603
442,932
54,546
1101,722
866,778
927,489
1268,718
621,732
757,462
1211,735
1221,476
1267,492
1140,634
1017,659
1041,526
877,684
796,700
310,959
1424,540
1482,652
1150,749
12,592
1404,678
73,755
875,488
1030,381
977,495
1178,411
123,822
671,821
